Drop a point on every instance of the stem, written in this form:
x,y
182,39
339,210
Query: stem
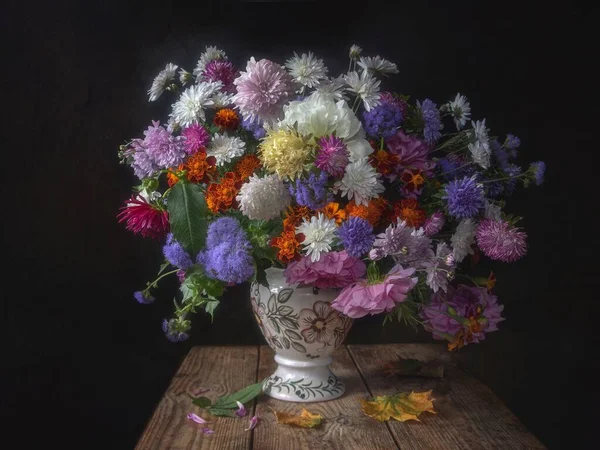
x,y
349,65
153,284
458,168
355,104
505,178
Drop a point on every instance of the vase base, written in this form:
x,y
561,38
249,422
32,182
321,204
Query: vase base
x,y
303,381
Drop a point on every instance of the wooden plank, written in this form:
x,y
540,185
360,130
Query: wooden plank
x,y
223,370
469,415
345,427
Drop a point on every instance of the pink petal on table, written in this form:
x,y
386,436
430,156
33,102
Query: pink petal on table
x,y
201,390
253,423
241,412
208,431
196,418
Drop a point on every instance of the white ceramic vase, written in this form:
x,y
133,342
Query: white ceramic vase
x,y
300,325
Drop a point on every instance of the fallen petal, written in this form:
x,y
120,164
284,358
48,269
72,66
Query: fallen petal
x,y
196,418
253,423
241,412
208,431
200,391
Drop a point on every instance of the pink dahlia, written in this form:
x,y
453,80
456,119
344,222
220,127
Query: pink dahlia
x,y
223,71
332,156
196,137
361,298
500,241
262,90
332,270
434,224
145,218
411,152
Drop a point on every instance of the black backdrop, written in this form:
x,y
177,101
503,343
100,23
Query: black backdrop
x,y
83,364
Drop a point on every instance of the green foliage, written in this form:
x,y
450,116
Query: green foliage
x,y
225,405
188,216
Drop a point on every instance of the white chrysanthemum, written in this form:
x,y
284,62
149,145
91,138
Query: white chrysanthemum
x,y
184,77
335,87
492,211
481,154
161,82
189,108
319,234
463,239
378,65
460,110
480,132
306,69
355,51
365,86
210,54
224,148
263,198
222,99
360,182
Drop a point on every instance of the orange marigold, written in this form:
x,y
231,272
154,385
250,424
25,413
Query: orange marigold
x,y
294,216
201,168
413,179
171,177
288,244
371,212
227,118
333,211
221,196
246,166
384,162
409,211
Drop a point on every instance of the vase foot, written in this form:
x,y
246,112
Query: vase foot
x,y
303,381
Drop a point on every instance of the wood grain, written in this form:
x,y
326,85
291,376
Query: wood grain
x,y
345,427
223,370
469,415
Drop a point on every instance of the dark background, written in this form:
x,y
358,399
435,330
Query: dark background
x,y
83,364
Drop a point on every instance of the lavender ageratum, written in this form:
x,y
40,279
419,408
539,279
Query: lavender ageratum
x,y
453,167
499,153
176,254
432,123
383,120
408,247
512,171
223,229
465,198
357,236
143,297
170,328
539,169
256,128
312,192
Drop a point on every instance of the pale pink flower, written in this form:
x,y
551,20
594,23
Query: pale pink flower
x,y
332,270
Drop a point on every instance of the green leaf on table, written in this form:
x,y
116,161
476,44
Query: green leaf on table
x,y
202,402
187,216
221,412
242,396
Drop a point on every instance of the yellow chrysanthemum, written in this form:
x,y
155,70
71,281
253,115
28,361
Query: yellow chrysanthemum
x,y
286,153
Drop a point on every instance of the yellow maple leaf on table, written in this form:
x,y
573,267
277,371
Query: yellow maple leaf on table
x,y
401,406
305,419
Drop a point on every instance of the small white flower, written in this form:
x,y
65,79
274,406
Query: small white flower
x,y
492,211
481,153
460,109
378,65
334,87
224,148
365,86
319,234
306,69
355,51
222,99
161,82
463,239
479,132
210,54
184,77
361,182
263,198
439,268
189,108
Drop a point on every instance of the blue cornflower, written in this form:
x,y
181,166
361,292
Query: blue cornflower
x,y
256,128
357,236
432,122
465,197
512,171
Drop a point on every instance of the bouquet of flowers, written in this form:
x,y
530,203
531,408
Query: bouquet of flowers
x,y
342,184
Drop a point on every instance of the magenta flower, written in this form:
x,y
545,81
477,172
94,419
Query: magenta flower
x,y
241,411
411,152
253,423
332,156
223,71
332,270
196,418
195,138
500,241
362,298
434,224
145,218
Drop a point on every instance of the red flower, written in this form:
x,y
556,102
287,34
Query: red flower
x,y
145,218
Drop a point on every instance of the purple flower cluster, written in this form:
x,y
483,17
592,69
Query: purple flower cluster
x,y
390,98
256,128
312,192
454,167
143,297
408,246
499,153
512,171
196,137
223,71
500,241
332,155
173,334
357,236
539,170
432,122
512,142
227,256
176,254
158,150
383,120
465,198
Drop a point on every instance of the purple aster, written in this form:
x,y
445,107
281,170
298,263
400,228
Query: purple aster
x,y
383,120
539,169
144,297
499,153
332,156
512,142
408,246
392,99
223,71
195,137
513,171
170,328
432,122
455,166
175,254
465,197
494,188
256,128
440,268
312,192
500,241
411,151
357,236
434,224
164,149
143,166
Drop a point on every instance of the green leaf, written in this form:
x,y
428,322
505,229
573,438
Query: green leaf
x,y
221,412
187,215
210,307
202,402
242,396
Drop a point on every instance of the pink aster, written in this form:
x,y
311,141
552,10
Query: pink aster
x,y
145,218
362,298
223,71
332,270
411,152
332,156
434,224
389,98
262,90
196,137
500,241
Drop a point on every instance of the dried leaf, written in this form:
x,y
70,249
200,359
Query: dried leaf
x,y
401,406
305,419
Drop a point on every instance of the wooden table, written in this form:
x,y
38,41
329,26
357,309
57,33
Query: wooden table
x,y
469,415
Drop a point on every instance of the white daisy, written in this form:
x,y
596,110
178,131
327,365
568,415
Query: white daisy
x,y
480,132
184,77
263,198
210,54
334,87
378,65
306,69
189,108
481,153
365,86
492,211
161,82
355,51
460,109
361,182
222,99
463,239
319,234
224,148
